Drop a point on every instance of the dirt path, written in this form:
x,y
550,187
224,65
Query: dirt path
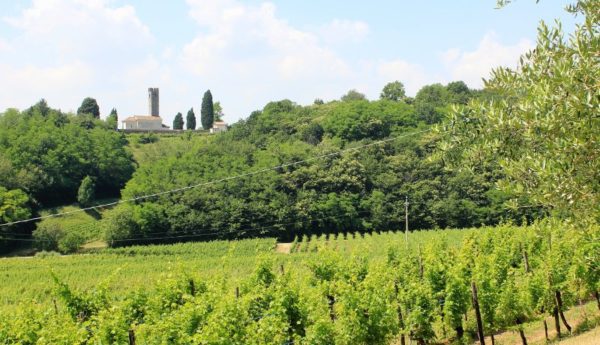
x,y
283,248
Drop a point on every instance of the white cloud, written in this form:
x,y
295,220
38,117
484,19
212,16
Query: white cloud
x,y
4,46
60,84
242,37
65,50
472,66
413,76
342,31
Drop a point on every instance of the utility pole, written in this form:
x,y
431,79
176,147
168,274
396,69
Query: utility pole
x,y
406,220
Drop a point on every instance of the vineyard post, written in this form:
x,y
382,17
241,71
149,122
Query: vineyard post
x,y
55,306
477,313
281,269
237,292
400,318
406,221
131,337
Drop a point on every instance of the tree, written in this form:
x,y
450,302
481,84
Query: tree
x,y
543,128
218,111
207,112
312,133
428,102
113,119
393,91
191,119
353,95
178,121
458,92
86,192
89,106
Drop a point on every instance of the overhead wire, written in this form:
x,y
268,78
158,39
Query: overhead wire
x,y
201,184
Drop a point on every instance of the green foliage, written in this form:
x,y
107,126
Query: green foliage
x,y
353,95
393,91
178,121
112,121
48,156
353,292
207,112
542,126
218,110
190,122
86,192
89,106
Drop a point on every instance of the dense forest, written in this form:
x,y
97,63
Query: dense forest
x,y
45,155
49,158
356,190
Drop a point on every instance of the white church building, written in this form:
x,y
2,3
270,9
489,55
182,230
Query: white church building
x,y
151,122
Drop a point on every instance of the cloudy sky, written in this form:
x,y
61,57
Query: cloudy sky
x,y
250,52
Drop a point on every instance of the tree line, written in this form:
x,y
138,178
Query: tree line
x,y
209,113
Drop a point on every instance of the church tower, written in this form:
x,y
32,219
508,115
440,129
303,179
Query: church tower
x,y
153,101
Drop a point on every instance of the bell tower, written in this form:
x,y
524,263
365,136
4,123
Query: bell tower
x,y
153,101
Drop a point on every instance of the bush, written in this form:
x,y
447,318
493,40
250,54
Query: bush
x,y
52,236
47,235
70,242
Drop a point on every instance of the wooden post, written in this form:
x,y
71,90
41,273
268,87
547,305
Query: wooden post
x,y
406,221
477,313
526,261
546,330
331,302
237,292
131,337
55,306
281,270
420,264
400,318
192,287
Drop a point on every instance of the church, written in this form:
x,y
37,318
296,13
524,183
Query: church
x,y
151,122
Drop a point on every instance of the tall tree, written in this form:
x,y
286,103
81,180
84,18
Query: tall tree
x,y
207,112
543,128
218,111
113,119
86,192
393,91
191,120
353,95
178,121
89,106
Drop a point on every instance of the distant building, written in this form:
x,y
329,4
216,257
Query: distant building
x,y
143,122
151,122
219,126
153,101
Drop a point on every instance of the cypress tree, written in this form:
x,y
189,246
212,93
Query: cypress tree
x,y
89,106
113,119
178,121
207,112
191,119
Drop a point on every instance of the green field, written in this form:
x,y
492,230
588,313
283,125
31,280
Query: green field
x,y
185,293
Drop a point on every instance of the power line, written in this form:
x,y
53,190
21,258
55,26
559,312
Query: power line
x,y
215,233
202,184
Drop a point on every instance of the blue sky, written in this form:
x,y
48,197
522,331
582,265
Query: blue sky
x,y
251,52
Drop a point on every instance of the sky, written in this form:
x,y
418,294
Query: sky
x,y
251,52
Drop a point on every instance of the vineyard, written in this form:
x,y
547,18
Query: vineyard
x,y
348,288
